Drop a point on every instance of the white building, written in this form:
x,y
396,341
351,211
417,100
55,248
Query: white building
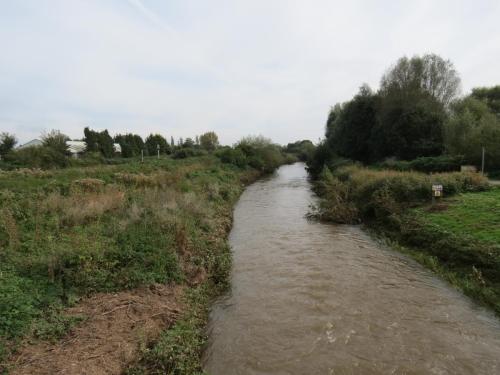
x,y
32,143
76,148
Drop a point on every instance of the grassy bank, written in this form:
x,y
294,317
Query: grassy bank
x,y
69,233
457,238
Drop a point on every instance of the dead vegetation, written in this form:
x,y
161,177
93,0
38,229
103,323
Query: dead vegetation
x,y
117,327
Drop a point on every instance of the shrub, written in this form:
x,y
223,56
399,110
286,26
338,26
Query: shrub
x,y
379,194
430,164
233,156
37,157
188,152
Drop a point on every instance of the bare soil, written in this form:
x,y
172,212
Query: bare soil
x,y
117,326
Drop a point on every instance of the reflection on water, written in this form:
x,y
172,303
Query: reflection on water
x,y
311,298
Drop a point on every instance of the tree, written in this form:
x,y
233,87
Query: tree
x,y
131,144
489,95
99,142
304,149
414,97
429,73
188,143
152,142
209,141
472,126
7,143
351,131
56,141
172,142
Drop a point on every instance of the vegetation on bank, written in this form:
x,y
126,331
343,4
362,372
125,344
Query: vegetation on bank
x,y
458,238
67,233
384,150
417,115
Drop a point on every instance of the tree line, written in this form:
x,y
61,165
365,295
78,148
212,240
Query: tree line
x,y
54,149
417,112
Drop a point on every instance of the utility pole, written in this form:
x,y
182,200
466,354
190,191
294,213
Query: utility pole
x,y
482,162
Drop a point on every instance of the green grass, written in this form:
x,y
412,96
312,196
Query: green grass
x,y
72,232
473,214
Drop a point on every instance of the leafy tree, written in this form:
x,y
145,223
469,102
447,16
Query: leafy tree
x,y
332,117
472,126
350,134
188,143
209,141
414,97
303,149
152,142
131,144
7,143
56,141
490,95
409,127
429,73
99,142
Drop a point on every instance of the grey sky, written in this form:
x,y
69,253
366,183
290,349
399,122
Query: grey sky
x,y
236,67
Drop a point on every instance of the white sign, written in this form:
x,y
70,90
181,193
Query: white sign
x,y
437,190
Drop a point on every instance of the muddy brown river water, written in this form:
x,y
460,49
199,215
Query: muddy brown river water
x,y
312,298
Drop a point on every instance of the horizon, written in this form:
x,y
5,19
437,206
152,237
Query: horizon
x,y
237,68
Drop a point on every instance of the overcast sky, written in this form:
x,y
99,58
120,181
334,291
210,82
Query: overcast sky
x,y
184,67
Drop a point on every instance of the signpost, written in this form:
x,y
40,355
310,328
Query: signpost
x,y
437,192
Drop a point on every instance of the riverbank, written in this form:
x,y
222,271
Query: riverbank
x,y
396,206
132,253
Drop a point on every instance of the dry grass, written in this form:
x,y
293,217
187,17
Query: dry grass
x,y
84,207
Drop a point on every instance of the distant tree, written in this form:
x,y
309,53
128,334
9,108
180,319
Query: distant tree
x,y
131,144
99,142
304,150
172,142
7,143
414,97
429,73
197,141
472,126
152,142
188,143
209,141
408,127
181,142
490,95
351,132
330,122
56,141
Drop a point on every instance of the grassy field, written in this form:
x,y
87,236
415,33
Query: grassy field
x,y
70,233
473,214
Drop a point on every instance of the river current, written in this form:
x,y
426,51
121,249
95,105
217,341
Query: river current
x,y
313,298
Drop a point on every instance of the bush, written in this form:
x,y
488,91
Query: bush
x,y
188,152
377,195
38,157
233,156
430,164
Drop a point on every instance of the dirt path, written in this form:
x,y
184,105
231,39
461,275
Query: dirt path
x,y
117,325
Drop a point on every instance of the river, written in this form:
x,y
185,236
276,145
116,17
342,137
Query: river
x,y
312,298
